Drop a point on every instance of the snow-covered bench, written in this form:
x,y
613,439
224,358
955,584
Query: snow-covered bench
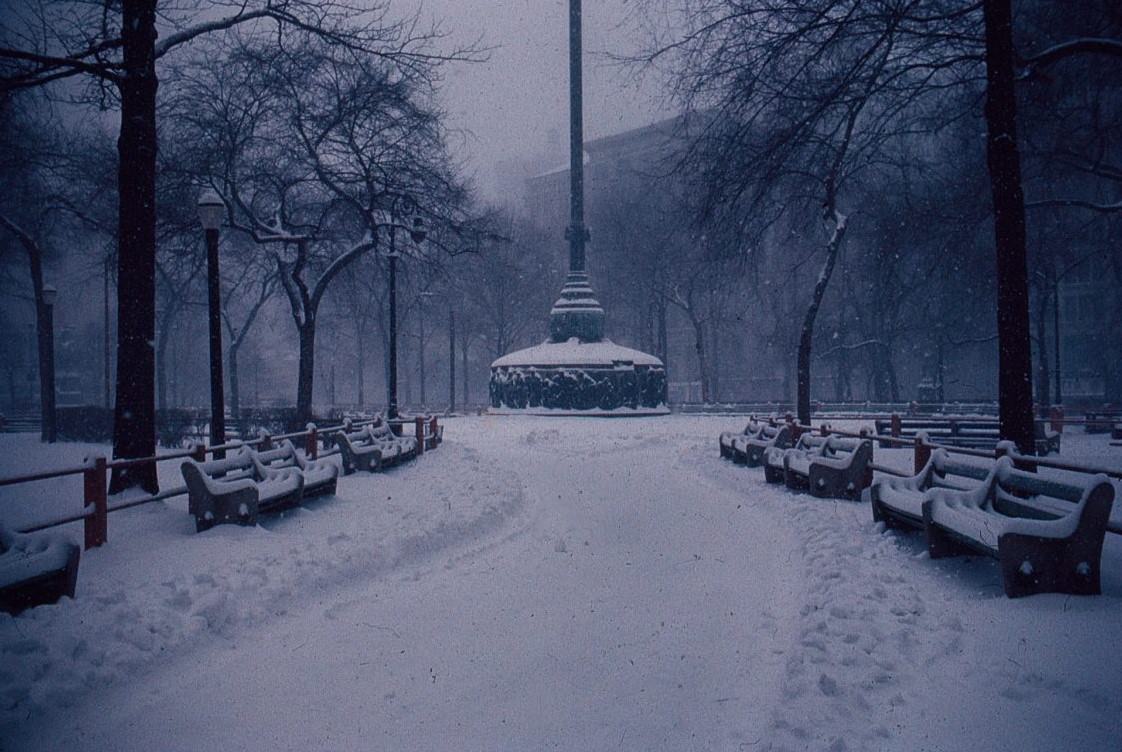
x,y
374,447
235,490
1016,517
751,449
899,501
320,476
775,457
725,440
837,467
35,569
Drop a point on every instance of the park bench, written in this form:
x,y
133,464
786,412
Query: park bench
x,y
775,463
1101,421
1016,517
725,440
374,447
235,489
899,501
35,569
751,450
975,433
835,467
320,476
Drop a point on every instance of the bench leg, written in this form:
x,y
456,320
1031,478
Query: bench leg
x,y
1031,565
772,474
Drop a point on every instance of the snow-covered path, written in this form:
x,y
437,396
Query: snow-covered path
x,y
641,594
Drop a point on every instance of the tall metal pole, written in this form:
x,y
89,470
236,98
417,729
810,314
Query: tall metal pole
x,y
577,232
392,408
217,400
105,372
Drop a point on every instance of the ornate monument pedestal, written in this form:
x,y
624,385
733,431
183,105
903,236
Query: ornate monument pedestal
x,y
578,372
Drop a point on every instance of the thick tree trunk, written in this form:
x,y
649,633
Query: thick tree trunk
x,y
134,424
806,338
306,377
1014,343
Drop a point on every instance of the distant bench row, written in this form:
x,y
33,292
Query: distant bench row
x,y
1046,533
251,481
975,433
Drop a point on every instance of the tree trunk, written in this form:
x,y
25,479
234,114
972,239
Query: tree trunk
x,y
806,338
134,423
464,365
1014,343
702,363
360,364
306,377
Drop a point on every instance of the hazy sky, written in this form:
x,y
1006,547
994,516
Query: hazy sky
x,y
510,103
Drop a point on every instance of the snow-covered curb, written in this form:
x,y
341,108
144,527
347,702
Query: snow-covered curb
x,y
137,606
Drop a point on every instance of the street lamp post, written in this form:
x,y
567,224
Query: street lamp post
x,y
418,233
211,212
48,423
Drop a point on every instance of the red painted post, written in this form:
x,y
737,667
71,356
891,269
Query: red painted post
x,y
922,453
434,426
266,441
419,424
824,429
796,429
896,428
311,442
1056,415
97,524
198,452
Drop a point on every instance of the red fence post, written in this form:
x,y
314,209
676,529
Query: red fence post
x,y
419,423
922,453
198,452
311,442
97,524
824,429
896,428
435,428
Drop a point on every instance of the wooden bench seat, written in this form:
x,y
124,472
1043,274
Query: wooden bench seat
x,y
775,458
235,490
836,467
36,569
374,447
725,440
1038,549
320,476
751,449
899,501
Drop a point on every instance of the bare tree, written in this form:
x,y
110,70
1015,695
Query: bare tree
x,y
117,47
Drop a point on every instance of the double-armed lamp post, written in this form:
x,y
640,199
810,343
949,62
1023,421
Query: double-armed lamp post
x,y
212,211
418,234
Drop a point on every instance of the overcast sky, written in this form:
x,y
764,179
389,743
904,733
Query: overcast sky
x,y
510,104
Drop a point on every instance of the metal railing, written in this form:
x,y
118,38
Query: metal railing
x,y
95,471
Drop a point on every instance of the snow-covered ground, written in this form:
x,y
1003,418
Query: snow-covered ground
x,y
551,583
